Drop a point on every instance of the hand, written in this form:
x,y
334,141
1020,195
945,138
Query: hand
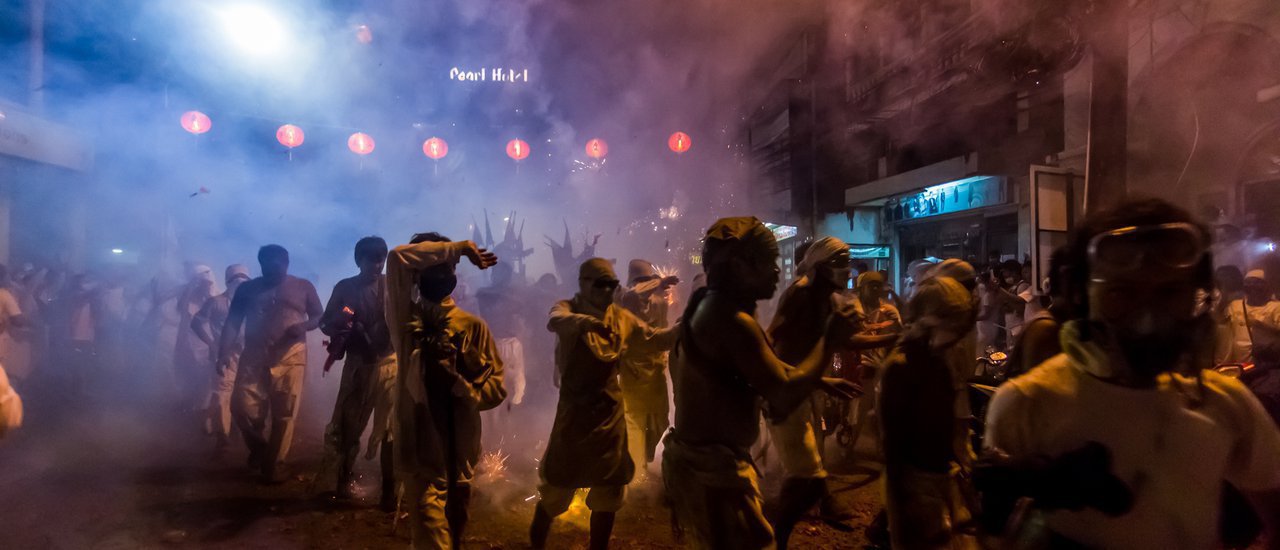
x,y
670,281
220,366
839,388
597,326
839,330
479,257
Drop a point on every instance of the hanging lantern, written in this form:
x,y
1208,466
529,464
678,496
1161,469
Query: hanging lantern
x,y
196,122
363,34
679,142
597,148
290,136
518,149
435,148
360,143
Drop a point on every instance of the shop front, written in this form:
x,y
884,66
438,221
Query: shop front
x,y
975,218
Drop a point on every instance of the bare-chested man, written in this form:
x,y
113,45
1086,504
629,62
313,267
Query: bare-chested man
x,y
723,366
276,310
802,314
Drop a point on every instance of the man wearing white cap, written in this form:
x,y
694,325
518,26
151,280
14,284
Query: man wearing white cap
x,y
190,354
1254,322
207,325
803,309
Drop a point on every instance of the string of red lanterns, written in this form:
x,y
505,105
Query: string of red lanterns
x,y
434,148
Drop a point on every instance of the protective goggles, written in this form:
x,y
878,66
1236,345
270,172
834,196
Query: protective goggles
x,y
1169,245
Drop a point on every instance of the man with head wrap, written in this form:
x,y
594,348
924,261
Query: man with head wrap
x,y
643,374
588,443
723,366
207,325
917,420
448,370
803,310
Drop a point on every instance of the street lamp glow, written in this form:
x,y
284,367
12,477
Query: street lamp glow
x,y
254,30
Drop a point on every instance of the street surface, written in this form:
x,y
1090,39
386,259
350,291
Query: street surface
x,y
110,471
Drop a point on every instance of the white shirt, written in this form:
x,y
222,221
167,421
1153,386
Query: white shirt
x,y
1172,455
1267,315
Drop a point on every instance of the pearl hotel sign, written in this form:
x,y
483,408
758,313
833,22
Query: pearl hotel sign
x,y
495,74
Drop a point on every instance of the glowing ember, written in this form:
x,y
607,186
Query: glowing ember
x,y
492,467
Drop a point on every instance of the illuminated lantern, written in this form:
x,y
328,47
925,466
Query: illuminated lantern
x,y
196,122
360,143
290,136
518,149
679,142
597,148
435,148
363,34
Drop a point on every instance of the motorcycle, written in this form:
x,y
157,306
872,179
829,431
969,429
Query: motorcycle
x,y
992,370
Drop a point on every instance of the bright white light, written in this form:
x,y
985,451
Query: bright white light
x,y
254,30
117,251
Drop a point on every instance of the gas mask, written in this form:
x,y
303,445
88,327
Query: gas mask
x,y
436,286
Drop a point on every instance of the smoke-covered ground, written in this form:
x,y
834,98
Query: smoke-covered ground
x,y
109,469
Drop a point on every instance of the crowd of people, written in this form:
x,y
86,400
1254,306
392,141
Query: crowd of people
x,y
1138,406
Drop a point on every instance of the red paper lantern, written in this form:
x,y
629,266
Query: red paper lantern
x,y
360,143
597,148
290,136
363,34
435,148
196,122
679,142
518,149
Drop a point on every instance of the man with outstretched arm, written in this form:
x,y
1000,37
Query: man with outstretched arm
x,y
449,371
724,366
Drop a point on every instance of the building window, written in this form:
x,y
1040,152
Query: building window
x,y
1024,111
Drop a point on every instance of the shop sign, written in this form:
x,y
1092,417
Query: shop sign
x,y
956,196
782,232
869,252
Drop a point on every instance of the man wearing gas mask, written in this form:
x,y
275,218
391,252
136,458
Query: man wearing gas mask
x,y
644,375
588,443
1141,438
448,371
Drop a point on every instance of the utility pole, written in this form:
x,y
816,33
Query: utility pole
x,y
35,75
1107,147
